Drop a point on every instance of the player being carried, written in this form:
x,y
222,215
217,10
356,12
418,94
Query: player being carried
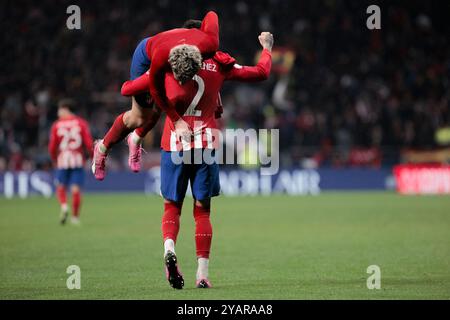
x,y
196,100
186,47
70,140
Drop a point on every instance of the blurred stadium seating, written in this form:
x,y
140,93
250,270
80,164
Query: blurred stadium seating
x,y
341,95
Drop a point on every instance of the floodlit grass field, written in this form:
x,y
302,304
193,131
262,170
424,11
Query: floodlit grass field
x,y
315,247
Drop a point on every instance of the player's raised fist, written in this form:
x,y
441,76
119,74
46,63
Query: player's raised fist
x,y
266,40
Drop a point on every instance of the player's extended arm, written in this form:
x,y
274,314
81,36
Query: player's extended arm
x,y
210,26
52,147
87,139
259,72
136,86
256,73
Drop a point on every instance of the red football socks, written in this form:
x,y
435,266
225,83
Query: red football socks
x,y
61,194
171,220
76,203
203,231
203,228
116,133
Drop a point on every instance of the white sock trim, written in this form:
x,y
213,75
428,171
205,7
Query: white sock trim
x,y
101,147
202,269
169,245
135,138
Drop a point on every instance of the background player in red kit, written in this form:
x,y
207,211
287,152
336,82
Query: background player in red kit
x,y
70,140
196,100
188,46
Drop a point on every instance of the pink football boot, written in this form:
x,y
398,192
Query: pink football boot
x,y
99,162
135,155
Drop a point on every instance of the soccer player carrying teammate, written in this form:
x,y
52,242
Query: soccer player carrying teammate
x,y
196,101
70,140
189,46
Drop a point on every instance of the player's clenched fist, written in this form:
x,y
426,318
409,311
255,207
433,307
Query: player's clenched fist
x,y
266,40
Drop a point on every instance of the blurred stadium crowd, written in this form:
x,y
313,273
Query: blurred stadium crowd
x,y
340,94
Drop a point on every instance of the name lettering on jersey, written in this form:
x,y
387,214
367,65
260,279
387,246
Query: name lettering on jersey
x,y
209,66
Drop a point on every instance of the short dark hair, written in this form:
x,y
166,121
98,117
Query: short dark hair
x,y
66,103
192,24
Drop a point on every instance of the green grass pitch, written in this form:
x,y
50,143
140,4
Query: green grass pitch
x,y
279,247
